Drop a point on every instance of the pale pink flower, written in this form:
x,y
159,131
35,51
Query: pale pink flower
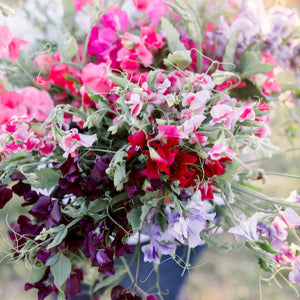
x,y
95,78
219,151
136,104
224,113
10,45
73,140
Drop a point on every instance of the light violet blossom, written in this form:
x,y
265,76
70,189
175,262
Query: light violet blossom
x,y
185,228
246,230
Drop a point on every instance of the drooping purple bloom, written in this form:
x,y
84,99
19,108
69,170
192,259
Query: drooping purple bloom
x,y
73,285
104,260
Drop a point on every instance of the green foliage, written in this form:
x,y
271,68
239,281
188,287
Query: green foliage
x,y
67,47
250,64
117,169
173,37
47,178
37,274
60,267
230,49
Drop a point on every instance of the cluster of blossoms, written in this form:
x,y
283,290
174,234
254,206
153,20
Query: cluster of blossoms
x,y
138,128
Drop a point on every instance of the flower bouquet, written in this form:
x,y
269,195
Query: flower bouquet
x,y
134,123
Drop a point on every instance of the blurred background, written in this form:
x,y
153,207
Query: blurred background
x,y
216,276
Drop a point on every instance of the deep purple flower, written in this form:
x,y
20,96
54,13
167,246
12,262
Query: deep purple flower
x,y
46,210
20,188
120,293
30,198
92,244
43,254
98,172
104,260
73,285
17,176
5,195
43,290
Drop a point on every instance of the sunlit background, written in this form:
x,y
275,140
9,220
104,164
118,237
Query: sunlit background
x,y
218,276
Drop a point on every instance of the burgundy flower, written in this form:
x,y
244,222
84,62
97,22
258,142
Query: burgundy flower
x,y
120,293
73,285
5,195
43,290
105,262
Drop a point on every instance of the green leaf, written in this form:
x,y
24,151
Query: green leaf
x,y
220,77
161,220
230,171
250,64
48,178
173,37
225,187
134,218
267,247
250,90
100,99
59,237
119,81
6,10
151,79
117,169
263,265
182,59
230,49
37,274
61,270
61,296
67,47
51,261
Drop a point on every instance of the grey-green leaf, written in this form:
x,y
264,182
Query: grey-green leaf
x,y
230,49
48,178
173,37
37,274
181,59
59,237
61,270
250,64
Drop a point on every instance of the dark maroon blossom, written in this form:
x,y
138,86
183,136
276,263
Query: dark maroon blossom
x,y
120,293
43,289
73,284
5,195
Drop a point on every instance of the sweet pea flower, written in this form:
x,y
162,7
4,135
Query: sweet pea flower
x,y
10,45
246,230
219,151
73,140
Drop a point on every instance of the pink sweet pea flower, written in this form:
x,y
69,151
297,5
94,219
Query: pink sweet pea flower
x,y
224,113
80,3
74,140
219,151
171,131
95,78
136,104
151,38
10,45
38,103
